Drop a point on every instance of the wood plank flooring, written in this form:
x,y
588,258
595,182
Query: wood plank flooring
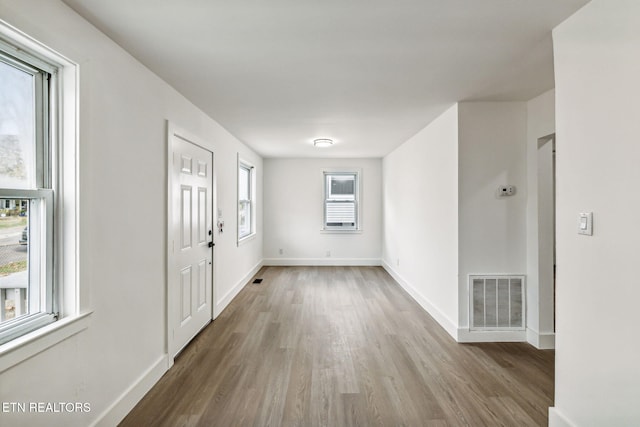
x,y
343,346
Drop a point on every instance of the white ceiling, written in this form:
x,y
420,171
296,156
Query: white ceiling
x,y
367,73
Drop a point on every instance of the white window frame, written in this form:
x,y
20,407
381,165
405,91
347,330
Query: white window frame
x,y
243,164
327,198
58,202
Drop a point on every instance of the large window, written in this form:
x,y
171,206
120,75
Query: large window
x,y
246,197
26,197
341,194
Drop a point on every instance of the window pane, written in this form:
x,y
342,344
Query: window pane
x,y
15,294
243,183
17,128
341,187
244,218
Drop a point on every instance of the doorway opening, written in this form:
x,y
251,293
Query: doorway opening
x,y
547,232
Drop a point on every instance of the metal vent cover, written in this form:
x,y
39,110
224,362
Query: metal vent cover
x,y
497,302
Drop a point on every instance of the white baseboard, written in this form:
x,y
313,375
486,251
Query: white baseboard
x,y
541,341
231,294
356,262
440,317
557,419
467,336
132,395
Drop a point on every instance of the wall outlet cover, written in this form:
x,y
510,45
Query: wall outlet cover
x,y
506,190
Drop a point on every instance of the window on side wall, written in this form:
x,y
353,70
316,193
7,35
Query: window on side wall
x,y
27,292
40,302
246,201
341,201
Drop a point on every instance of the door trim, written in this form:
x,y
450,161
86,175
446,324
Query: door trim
x,y
176,131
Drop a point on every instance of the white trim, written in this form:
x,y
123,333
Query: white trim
x,y
446,323
467,336
558,419
133,394
350,262
541,341
27,346
246,239
229,296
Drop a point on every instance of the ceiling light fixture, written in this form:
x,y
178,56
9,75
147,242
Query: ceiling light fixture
x,y
323,142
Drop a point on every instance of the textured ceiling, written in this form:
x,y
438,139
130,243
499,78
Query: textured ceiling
x,y
368,74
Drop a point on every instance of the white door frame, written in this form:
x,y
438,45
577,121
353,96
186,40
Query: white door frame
x,y
175,131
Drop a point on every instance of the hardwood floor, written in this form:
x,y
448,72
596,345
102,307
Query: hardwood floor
x,y
343,346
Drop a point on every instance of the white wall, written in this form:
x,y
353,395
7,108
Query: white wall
x,y
123,113
492,231
293,212
234,264
597,90
421,217
540,123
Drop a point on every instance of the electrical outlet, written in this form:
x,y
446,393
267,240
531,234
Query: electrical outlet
x,y
506,190
328,254
398,262
281,251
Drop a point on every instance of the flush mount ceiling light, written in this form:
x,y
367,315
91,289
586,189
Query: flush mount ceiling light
x,y
323,142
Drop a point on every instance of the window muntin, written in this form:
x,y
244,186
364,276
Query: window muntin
x,y
26,195
245,201
341,201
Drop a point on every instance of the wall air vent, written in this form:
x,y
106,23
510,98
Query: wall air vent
x,y
497,303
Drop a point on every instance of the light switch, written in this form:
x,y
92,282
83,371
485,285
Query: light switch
x,y
585,223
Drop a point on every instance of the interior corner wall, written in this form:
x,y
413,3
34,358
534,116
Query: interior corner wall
x,y
492,231
420,245
293,214
597,90
540,292
124,109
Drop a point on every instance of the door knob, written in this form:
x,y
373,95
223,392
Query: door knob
x,y
211,244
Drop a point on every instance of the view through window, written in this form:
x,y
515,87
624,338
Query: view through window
x,y
244,201
26,199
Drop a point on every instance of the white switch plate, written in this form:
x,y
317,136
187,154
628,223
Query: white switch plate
x,y
585,223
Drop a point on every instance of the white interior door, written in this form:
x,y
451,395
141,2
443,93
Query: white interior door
x,y
190,245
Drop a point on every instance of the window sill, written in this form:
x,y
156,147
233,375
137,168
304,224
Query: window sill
x,y
246,239
27,346
323,231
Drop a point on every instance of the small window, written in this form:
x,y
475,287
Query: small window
x,y
26,198
246,196
341,201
